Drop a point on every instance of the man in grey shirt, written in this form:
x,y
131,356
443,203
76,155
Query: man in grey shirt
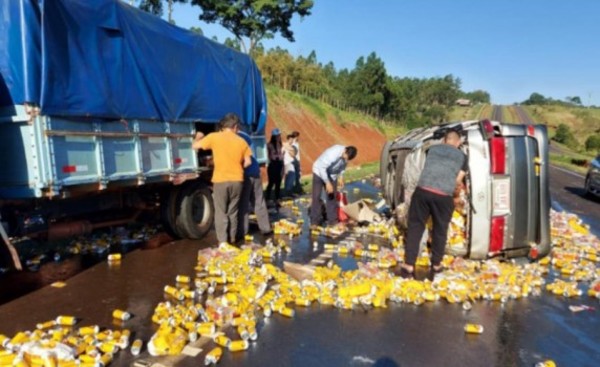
x,y
445,167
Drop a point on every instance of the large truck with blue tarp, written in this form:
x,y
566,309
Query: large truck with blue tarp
x,y
99,105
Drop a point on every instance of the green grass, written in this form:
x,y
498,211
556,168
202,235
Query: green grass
x,y
357,173
565,161
565,158
583,122
351,174
324,112
458,113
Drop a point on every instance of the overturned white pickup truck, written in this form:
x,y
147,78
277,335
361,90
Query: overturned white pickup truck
x,y
504,207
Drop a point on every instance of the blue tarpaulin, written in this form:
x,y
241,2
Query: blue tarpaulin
x,y
106,59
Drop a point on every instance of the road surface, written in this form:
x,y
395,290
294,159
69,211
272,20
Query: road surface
x,y
518,333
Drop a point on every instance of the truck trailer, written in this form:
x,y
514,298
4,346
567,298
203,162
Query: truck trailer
x,y
99,105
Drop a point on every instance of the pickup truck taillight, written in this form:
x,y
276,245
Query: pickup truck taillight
x,y
497,234
498,155
497,167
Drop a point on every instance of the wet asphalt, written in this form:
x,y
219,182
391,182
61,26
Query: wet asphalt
x,y
517,333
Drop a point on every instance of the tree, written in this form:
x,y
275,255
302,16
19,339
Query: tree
x,y
254,20
478,96
156,7
232,43
592,143
536,98
565,136
197,30
367,87
574,100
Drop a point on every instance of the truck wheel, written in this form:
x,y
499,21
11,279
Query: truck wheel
x,y
390,179
168,212
383,162
398,188
196,210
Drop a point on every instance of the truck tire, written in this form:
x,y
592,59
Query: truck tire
x,y
168,212
383,162
390,179
195,210
398,187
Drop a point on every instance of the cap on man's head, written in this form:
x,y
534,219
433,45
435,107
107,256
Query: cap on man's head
x,y
275,132
295,134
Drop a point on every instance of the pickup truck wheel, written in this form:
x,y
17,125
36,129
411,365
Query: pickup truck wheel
x,y
390,179
196,212
383,162
168,212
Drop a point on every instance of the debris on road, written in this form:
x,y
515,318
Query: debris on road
x,y
232,289
473,329
580,308
58,343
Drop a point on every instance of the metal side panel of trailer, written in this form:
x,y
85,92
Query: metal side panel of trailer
x,y
44,156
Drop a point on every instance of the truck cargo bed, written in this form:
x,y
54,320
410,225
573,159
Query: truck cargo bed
x,y
47,156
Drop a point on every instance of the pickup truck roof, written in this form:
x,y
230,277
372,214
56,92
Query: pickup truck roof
x,y
107,59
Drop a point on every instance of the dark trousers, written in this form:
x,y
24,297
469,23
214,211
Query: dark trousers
x,y
275,173
331,204
297,184
226,197
425,203
253,199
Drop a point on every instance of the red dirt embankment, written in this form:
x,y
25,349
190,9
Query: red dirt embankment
x,y
317,134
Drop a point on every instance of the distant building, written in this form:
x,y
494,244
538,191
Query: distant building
x,y
463,102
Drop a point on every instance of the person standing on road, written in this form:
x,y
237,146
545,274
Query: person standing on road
x,y
445,168
296,144
289,165
330,166
231,154
275,167
252,197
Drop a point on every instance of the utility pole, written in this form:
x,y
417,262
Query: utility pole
x,y
170,10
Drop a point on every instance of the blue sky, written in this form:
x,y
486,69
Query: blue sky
x,y
509,48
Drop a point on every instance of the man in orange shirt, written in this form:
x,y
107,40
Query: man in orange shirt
x,y
231,154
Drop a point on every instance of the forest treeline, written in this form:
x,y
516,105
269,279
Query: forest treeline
x,y
367,88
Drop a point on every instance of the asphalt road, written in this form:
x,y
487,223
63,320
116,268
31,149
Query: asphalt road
x,y
518,333
566,190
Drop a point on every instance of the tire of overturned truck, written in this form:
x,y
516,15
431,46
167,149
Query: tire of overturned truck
x,y
383,162
195,210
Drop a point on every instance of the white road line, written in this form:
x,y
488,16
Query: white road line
x,y
567,171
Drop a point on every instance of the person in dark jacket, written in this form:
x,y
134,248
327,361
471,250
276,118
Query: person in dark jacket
x,y
445,168
252,197
275,166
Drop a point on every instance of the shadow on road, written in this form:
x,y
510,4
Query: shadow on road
x,y
580,191
385,362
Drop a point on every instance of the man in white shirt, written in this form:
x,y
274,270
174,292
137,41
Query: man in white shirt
x,y
327,168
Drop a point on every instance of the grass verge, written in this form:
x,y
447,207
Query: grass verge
x,y
566,161
351,174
